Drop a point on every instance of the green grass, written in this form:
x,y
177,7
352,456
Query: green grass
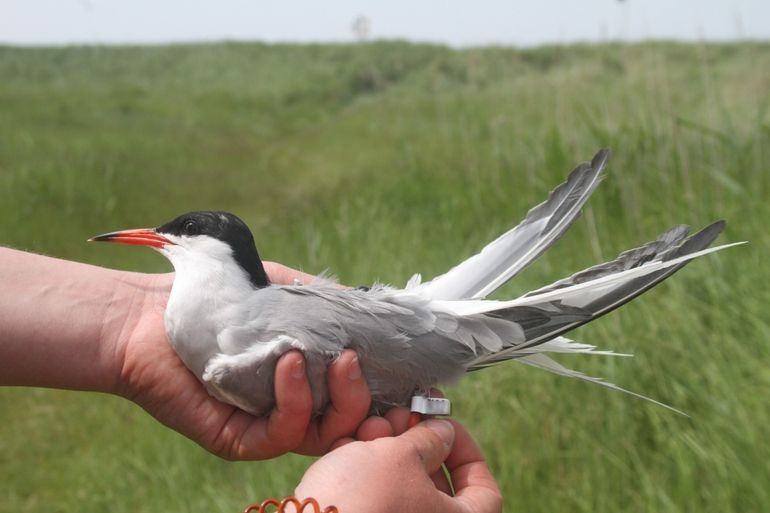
x,y
379,160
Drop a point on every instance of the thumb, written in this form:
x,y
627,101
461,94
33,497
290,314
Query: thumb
x,y
433,441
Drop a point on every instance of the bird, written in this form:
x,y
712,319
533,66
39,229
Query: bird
x,y
229,324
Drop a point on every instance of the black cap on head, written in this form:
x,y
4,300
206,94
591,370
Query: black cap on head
x,y
228,228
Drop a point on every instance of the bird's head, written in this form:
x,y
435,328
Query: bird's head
x,y
198,236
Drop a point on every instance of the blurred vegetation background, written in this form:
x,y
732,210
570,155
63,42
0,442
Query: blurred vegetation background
x,y
383,159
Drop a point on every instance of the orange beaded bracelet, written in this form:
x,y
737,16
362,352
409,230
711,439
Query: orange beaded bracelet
x,y
300,507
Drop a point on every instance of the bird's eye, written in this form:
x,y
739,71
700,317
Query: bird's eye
x,y
189,227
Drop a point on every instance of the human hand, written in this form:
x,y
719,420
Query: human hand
x,y
155,378
404,473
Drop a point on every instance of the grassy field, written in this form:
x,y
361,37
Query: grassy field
x,y
379,160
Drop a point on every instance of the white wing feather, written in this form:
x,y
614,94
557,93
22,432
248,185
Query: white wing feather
x,y
506,256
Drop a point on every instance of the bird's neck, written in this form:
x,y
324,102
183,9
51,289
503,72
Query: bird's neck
x,y
206,294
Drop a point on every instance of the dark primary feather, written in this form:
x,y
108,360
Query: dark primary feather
x,y
626,260
667,246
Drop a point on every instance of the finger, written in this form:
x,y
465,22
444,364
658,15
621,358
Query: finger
x,y
349,398
440,478
399,419
349,402
399,416
374,428
289,419
432,440
473,482
441,481
339,443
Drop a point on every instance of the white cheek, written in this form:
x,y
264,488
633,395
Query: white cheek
x,y
173,252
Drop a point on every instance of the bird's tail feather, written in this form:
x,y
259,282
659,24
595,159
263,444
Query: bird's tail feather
x,y
565,345
534,357
603,292
566,304
587,295
541,361
648,252
506,256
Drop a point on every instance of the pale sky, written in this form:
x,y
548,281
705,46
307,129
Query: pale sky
x,y
478,22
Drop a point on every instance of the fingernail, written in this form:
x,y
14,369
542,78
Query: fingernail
x,y
298,372
445,430
354,370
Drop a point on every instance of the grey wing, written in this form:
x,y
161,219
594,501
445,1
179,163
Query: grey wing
x,y
274,321
402,344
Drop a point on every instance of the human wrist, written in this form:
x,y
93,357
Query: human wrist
x,y
134,316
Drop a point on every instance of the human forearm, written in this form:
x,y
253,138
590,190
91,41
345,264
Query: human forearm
x,y
61,321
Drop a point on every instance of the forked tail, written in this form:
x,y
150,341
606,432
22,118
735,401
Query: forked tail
x,y
549,312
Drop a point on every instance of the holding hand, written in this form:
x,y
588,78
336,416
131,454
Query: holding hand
x,y
404,474
155,378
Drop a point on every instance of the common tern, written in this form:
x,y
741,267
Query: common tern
x,y
229,324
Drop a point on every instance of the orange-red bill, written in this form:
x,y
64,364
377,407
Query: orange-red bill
x,y
140,237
